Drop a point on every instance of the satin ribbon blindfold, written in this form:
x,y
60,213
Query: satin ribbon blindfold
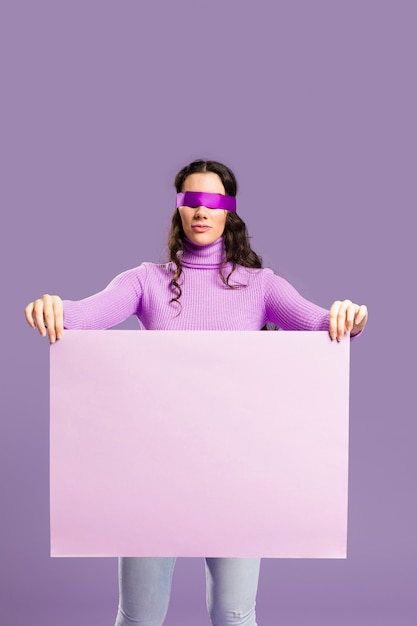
x,y
209,200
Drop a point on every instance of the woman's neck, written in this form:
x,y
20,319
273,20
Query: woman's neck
x,y
208,256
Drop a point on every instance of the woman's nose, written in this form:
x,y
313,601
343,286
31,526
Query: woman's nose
x,y
201,211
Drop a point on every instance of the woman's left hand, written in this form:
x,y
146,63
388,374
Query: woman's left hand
x,y
346,317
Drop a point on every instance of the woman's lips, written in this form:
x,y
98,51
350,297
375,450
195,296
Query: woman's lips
x,y
200,229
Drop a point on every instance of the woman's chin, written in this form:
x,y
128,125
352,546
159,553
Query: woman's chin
x,y
203,238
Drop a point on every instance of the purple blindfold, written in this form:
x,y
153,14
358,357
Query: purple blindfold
x,y
209,200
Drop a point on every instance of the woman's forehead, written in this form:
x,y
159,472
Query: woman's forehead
x,y
203,181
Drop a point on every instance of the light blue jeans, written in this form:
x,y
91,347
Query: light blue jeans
x,y
145,589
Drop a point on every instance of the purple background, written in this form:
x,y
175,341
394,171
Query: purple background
x,y
313,105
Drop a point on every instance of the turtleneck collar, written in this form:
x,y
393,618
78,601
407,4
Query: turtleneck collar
x,y
203,257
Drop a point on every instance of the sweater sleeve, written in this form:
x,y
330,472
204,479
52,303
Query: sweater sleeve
x,y
120,299
286,308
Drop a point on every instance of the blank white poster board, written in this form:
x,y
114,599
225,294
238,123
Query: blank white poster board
x,y
212,443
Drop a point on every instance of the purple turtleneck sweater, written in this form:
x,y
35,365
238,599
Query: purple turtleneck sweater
x,y
207,303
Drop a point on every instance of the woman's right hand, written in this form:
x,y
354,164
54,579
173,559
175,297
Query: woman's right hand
x,y
47,314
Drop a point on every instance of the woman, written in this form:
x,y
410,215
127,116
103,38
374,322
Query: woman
x,y
212,268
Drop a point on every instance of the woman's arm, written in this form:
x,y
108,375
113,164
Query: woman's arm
x,y
290,311
120,299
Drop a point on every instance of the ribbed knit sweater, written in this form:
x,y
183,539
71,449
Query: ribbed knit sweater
x,y
207,303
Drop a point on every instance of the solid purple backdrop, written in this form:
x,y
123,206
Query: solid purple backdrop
x,y
313,105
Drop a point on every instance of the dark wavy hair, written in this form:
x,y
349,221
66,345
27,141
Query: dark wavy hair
x,y
236,237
